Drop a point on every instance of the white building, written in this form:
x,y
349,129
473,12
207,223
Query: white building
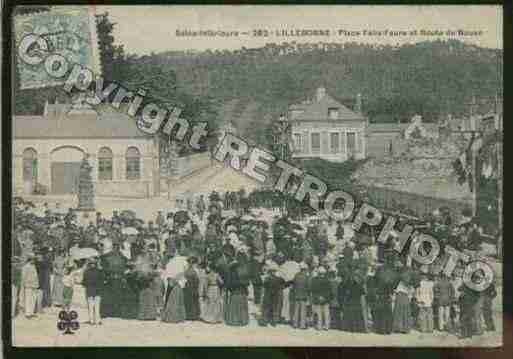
x,y
48,149
324,128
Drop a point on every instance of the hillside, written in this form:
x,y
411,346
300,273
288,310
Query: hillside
x,y
256,85
427,77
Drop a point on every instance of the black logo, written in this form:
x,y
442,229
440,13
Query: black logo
x,y
68,322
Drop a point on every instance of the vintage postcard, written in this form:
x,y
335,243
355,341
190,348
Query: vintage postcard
x,y
256,176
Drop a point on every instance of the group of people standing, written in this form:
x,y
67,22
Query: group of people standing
x,y
196,265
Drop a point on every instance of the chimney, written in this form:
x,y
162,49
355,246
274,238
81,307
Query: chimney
x,y
321,92
358,106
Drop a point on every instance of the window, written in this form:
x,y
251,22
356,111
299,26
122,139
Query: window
x,y
335,142
133,164
333,113
105,164
297,143
351,143
316,142
30,165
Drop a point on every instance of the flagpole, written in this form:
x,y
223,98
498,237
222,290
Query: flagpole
x,y
498,112
474,159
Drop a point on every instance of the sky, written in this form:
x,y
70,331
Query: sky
x,y
146,29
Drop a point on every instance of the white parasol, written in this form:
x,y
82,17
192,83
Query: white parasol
x,y
175,266
83,253
129,231
288,270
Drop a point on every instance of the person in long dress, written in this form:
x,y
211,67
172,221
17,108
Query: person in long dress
x,y
350,294
236,301
191,291
174,307
114,265
424,296
402,308
148,300
59,264
382,313
213,312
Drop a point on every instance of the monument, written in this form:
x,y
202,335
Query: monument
x,y
85,187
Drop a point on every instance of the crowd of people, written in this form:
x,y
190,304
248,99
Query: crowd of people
x,y
204,263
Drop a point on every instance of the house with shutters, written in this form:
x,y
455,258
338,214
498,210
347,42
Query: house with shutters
x,y
323,127
48,150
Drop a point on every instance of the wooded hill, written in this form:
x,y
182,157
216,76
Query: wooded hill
x,y
253,86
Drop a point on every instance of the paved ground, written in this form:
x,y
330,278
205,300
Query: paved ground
x,y
118,332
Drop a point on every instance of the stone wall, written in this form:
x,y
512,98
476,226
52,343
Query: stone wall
x,y
424,167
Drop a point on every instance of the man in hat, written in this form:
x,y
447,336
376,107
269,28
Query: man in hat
x,y
44,269
116,219
201,206
30,285
301,293
160,221
273,296
321,298
99,219
444,297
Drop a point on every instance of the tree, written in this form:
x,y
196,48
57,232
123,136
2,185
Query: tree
x,y
112,56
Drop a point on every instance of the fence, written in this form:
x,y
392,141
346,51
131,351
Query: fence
x,y
413,204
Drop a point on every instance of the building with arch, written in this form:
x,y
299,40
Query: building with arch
x,y
48,149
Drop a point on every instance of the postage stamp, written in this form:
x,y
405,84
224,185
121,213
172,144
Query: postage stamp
x,y
69,31
258,176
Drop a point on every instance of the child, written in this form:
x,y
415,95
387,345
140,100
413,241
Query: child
x,y
68,282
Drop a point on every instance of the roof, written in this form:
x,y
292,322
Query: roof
x,y
318,110
387,127
110,125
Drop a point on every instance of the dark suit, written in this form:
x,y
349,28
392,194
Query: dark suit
x,y
273,297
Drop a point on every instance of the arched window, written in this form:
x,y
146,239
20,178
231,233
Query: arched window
x,y
30,165
133,164
105,164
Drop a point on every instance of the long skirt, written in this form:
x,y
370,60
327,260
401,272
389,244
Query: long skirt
x,y
286,313
57,290
147,304
67,294
112,299
382,315
213,306
174,308
192,303
129,304
353,319
425,320
236,308
402,313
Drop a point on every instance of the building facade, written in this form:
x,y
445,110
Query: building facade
x,y
48,149
324,128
